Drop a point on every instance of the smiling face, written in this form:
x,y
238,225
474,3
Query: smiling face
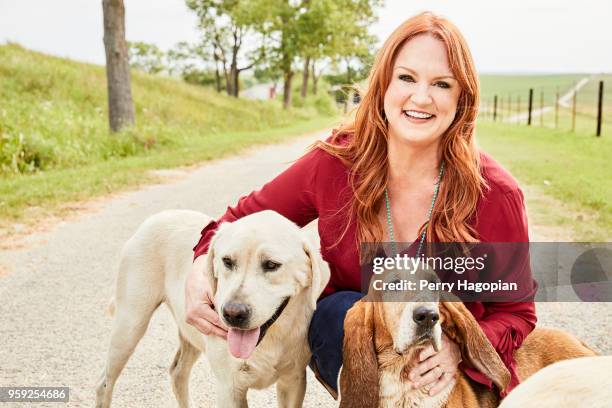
x,y
258,264
421,100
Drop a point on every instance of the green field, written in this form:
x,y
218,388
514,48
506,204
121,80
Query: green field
x,y
513,92
515,86
55,146
574,168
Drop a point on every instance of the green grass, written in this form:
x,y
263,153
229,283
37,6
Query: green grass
x,y
519,85
55,146
574,168
43,193
586,100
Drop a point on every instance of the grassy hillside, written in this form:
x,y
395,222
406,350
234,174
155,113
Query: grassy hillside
x,y
54,140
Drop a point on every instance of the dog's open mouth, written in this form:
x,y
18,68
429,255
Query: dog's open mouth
x,y
242,343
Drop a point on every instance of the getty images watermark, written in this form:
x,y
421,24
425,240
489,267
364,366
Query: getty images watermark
x,y
491,272
411,265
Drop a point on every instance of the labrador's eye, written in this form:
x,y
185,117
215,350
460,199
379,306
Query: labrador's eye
x,y
228,262
396,281
269,266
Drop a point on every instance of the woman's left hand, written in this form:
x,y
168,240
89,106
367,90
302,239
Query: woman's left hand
x,y
436,369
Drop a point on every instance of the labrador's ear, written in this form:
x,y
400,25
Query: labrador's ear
x,y
358,384
319,272
461,327
209,270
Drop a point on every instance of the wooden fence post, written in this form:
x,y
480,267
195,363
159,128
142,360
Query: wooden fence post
x,y
494,108
530,107
509,106
599,108
518,110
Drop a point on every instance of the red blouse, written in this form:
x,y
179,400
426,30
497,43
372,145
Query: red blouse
x,y
316,186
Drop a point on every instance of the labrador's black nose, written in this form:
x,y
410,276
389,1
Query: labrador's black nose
x,y
236,314
425,317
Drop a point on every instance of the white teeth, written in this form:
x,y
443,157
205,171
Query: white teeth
x,y
419,115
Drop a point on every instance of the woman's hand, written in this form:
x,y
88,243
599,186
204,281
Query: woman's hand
x,y
199,309
436,370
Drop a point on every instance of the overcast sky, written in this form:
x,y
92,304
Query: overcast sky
x,y
505,36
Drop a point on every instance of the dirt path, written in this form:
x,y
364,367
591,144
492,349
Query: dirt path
x,y
55,287
564,101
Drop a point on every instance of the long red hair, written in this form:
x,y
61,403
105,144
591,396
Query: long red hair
x,y
366,150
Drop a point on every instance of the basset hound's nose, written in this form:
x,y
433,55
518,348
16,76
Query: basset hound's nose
x,y
236,314
425,317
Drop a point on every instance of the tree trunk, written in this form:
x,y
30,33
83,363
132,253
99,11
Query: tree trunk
x,y
315,78
234,72
237,84
217,74
120,104
287,89
305,77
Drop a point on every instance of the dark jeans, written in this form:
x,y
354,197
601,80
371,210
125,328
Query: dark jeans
x,y
326,333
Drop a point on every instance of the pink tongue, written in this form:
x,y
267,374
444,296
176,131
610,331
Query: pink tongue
x,y
242,342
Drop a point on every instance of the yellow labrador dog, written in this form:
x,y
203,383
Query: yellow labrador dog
x,y
266,277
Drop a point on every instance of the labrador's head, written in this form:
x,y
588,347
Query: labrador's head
x,y
257,265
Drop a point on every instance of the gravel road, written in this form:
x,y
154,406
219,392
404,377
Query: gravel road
x,y
55,288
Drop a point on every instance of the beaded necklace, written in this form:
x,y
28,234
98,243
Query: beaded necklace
x,y
390,223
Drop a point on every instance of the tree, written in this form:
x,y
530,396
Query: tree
x,y
312,30
146,57
226,24
277,22
120,104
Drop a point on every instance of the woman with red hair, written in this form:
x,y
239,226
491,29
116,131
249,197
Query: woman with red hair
x,y
406,169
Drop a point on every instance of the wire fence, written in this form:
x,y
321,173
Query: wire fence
x,y
583,106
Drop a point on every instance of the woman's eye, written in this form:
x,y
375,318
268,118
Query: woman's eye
x,y
406,78
228,262
442,84
269,266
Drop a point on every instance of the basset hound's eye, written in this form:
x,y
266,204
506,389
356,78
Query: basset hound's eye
x,y
228,262
270,266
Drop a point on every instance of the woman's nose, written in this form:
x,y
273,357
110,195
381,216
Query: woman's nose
x,y
421,95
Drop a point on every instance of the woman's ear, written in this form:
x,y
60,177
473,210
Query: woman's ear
x,y
358,385
319,272
461,327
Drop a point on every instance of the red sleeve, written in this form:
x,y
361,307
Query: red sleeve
x,y
506,324
291,194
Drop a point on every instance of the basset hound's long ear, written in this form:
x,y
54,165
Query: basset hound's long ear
x,y
461,327
358,385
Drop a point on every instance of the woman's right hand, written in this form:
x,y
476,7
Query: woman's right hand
x,y
199,309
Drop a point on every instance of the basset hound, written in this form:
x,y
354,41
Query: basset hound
x,y
383,338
